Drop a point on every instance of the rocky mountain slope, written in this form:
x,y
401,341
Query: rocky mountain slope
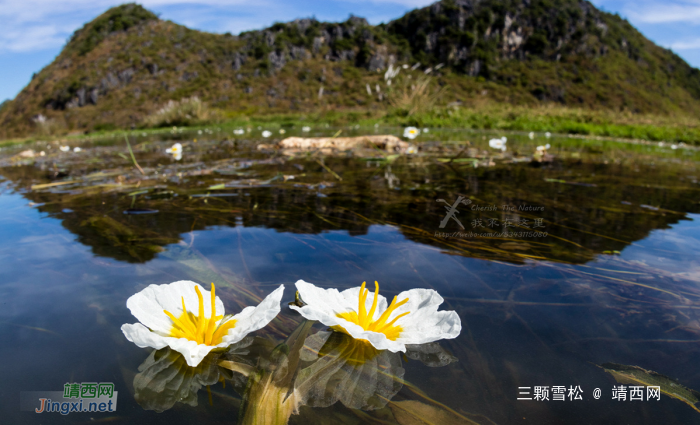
x,y
127,63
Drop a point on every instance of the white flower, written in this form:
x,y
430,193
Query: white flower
x,y
411,150
64,148
674,147
282,131
498,143
199,131
175,315
238,131
176,149
76,149
425,130
266,133
548,134
531,135
306,129
414,319
411,132
177,156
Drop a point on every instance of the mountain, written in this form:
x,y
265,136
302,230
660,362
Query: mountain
x,y
127,63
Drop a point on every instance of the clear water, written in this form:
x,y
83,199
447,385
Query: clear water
x,y
615,279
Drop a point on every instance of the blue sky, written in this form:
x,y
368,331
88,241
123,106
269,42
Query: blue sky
x,y
34,31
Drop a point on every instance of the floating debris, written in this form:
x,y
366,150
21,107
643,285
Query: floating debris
x,y
385,142
140,211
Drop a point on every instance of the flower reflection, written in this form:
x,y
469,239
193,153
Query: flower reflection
x,y
348,370
164,378
355,373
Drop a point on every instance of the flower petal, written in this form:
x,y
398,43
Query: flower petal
x,y
142,337
190,350
425,323
324,305
251,319
148,305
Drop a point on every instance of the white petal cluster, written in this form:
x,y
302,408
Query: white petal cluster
x,y
176,151
411,132
155,327
423,324
498,143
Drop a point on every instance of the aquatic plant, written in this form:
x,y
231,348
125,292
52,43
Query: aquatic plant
x,y
411,132
413,319
167,316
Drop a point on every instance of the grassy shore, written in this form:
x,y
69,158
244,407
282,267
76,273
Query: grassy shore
x,y
480,116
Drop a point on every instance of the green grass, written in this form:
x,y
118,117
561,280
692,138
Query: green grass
x,y
557,120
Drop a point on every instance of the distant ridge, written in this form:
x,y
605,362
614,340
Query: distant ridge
x,y
127,63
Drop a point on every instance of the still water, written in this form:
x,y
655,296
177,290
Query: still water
x,y
598,266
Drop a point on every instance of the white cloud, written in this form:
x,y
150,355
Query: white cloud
x,y
406,3
30,38
31,25
666,14
686,44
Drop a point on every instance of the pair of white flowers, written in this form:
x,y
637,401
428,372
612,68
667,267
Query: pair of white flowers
x,y
176,315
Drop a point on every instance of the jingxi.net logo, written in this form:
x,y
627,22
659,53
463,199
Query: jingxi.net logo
x,y
82,397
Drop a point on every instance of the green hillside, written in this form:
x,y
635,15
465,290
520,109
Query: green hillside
x,y
440,64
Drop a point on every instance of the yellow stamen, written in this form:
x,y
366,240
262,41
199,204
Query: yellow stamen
x,y
366,319
198,327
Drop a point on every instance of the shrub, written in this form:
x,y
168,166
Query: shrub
x,y
187,111
413,98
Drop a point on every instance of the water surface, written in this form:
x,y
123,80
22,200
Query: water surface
x,y
612,277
